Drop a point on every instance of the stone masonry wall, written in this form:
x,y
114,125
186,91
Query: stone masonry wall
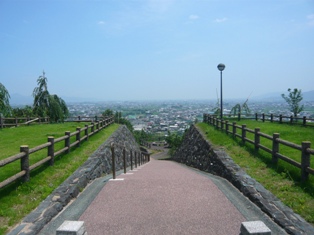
x,y
98,164
197,152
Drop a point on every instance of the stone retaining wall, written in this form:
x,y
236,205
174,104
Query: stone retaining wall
x,y
197,152
98,164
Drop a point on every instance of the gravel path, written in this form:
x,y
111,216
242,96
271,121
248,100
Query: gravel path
x,y
162,197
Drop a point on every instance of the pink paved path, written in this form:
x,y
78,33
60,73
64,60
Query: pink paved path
x,y
162,197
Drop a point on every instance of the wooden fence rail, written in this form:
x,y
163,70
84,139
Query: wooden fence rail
x,y
304,148
16,121
84,119
25,151
276,118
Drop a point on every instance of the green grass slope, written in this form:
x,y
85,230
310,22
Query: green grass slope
x,y
283,179
19,199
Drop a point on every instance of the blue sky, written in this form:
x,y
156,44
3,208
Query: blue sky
x,y
157,49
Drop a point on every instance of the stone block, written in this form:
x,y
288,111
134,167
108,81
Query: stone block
x,y
254,227
71,228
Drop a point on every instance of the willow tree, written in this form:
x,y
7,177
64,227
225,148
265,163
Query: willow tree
x,y
46,104
240,109
41,96
5,107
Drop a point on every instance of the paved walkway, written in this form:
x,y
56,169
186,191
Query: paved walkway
x,y
164,197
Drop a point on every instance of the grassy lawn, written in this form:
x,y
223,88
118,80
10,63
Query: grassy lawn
x,y
283,179
19,199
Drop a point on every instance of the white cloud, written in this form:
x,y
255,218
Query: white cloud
x,y
221,20
101,22
310,19
194,17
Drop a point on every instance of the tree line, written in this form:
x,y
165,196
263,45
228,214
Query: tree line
x,y
44,104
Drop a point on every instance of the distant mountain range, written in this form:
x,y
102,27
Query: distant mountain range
x,y
17,99
276,96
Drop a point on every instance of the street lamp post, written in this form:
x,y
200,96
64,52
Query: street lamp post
x,y
221,67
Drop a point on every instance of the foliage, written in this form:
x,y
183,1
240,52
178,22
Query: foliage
x,y
57,109
244,108
27,111
108,112
142,135
119,119
293,99
41,96
46,104
174,140
5,107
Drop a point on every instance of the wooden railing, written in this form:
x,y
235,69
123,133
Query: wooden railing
x,y
16,121
304,148
84,119
139,158
25,151
276,118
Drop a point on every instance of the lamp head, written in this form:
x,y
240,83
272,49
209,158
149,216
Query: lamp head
x,y
221,67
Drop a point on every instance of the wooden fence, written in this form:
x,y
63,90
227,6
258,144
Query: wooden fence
x,y
304,148
84,119
16,121
25,151
277,118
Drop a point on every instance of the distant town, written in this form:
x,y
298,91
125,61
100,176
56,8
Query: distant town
x,y
159,117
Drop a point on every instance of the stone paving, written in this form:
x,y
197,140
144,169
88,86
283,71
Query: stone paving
x,y
162,197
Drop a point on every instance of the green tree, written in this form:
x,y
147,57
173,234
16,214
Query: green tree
x,y
107,113
5,108
46,104
293,99
27,111
57,109
174,140
41,96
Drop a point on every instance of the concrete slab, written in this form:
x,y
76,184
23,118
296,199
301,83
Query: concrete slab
x,y
254,228
71,228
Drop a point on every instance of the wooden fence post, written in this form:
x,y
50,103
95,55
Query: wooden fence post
x,y
275,148
1,121
243,133
97,126
234,129
25,162
256,116
51,150
227,126
16,121
113,161
135,159
86,132
239,116
93,128
291,119
280,118
305,160
124,160
304,120
257,138
263,117
78,136
271,117
131,159
67,141
222,124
